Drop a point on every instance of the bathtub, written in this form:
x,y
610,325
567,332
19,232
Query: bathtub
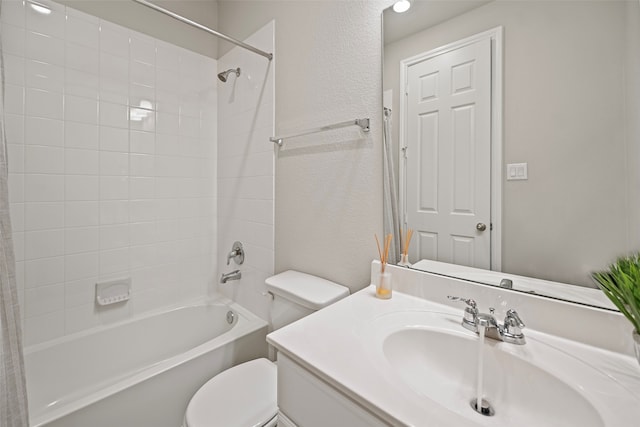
x,y
138,373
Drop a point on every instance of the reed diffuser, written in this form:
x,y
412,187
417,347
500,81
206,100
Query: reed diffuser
x,y
383,282
404,256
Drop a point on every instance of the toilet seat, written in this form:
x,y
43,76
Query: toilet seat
x,y
242,396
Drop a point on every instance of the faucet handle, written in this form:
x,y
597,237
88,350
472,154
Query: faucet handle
x,y
513,319
471,303
506,283
231,255
513,326
236,254
469,320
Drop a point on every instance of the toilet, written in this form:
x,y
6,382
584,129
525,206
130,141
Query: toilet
x,y
245,395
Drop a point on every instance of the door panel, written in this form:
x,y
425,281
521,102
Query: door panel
x,y
428,155
448,140
463,250
463,159
427,244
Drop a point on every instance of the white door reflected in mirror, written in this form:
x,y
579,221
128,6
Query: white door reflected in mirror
x,y
447,114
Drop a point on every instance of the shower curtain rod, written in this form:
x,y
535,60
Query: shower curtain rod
x,y
267,55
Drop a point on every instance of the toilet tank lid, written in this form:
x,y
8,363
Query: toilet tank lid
x,y
309,291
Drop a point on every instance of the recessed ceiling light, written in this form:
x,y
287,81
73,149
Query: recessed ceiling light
x,y
401,6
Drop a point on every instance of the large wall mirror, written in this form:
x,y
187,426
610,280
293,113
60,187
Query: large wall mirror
x,y
557,160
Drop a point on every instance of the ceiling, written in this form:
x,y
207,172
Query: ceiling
x,y
423,14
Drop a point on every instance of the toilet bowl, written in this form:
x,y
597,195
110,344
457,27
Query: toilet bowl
x,y
245,395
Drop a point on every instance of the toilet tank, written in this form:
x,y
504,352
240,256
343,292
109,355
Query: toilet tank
x,y
296,295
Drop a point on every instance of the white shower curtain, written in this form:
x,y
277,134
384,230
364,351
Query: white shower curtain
x,y
390,214
13,391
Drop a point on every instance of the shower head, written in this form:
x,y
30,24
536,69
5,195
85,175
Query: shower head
x,y
223,75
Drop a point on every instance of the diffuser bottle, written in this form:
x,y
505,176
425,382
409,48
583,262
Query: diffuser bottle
x,y
404,261
383,285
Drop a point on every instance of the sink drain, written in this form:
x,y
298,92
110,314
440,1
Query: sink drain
x,y
486,409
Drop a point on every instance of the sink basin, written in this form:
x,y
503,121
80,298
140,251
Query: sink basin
x,y
530,385
442,366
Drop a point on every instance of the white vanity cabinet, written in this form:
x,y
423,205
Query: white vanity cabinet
x,y
308,401
367,362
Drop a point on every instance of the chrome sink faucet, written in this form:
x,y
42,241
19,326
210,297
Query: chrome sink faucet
x,y
510,331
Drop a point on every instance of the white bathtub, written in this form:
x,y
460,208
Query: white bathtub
x,y
139,373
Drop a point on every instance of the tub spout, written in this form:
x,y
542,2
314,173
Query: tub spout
x,y
234,275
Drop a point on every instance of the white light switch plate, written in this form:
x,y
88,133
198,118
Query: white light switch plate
x,y
516,171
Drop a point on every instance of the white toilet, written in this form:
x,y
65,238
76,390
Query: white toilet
x,y
245,395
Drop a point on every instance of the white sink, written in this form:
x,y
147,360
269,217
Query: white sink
x,y
527,385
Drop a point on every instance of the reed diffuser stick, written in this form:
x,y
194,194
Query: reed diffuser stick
x,y
387,246
379,252
407,241
384,254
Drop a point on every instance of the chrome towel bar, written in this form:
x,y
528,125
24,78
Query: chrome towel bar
x,y
363,123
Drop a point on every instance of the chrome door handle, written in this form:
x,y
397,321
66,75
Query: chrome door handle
x,y
481,227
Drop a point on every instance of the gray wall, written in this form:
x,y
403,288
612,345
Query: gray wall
x,y
570,217
328,195
633,122
328,188
141,18
329,201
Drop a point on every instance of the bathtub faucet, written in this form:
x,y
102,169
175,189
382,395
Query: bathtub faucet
x,y
234,275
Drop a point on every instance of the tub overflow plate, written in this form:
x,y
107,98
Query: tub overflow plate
x,y
231,317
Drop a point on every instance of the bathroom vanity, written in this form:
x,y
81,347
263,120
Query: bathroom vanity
x,y
408,361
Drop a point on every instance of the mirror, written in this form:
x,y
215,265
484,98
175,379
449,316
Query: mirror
x,y
570,108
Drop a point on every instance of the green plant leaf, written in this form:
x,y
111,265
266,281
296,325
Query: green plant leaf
x,y
621,284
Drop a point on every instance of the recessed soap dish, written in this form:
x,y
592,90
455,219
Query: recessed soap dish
x,y
113,291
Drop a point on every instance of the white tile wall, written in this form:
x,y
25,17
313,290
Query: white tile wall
x,y
112,166
246,170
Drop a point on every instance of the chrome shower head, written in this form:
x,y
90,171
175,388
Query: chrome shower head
x,y
223,75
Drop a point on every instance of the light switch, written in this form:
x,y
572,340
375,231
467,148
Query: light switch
x,y
517,171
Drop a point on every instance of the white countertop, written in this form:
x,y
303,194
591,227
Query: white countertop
x,y
335,344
